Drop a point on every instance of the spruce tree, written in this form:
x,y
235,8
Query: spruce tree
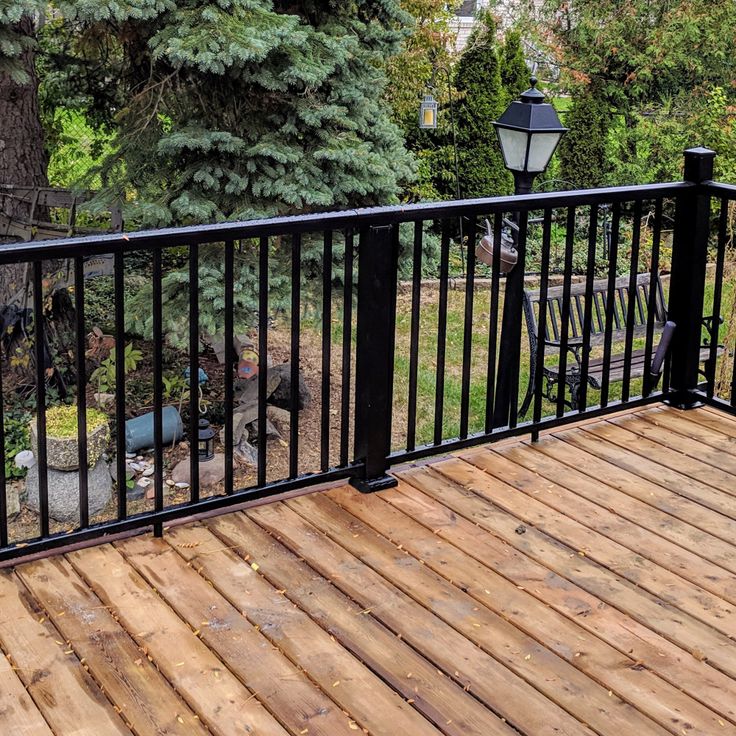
x,y
478,80
583,151
239,109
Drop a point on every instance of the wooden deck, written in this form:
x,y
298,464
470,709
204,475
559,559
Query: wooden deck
x,y
582,585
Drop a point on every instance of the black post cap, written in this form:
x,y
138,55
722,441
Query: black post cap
x,y
699,164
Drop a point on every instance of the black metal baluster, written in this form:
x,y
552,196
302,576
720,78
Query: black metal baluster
x,y
194,372
296,257
326,350
347,347
81,368
493,322
158,409
416,296
468,335
3,479
40,344
122,486
588,307
631,304
439,399
263,284
715,323
542,317
513,344
228,372
610,303
565,312
652,295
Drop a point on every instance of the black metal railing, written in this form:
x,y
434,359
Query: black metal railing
x,y
406,365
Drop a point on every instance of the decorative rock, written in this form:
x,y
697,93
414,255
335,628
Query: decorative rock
x,y
271,432
25,459
280,417
12,499
149,471
63,489
245,452
104,400
181,486
281,397
210,471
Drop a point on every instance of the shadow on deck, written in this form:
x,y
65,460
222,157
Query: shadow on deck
x,y
582,585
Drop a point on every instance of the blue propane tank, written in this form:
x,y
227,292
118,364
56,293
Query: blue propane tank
x,y
139,431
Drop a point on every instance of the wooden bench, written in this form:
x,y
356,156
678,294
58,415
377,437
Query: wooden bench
x,y
572,378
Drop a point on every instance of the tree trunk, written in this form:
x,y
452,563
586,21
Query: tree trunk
x,y
23,160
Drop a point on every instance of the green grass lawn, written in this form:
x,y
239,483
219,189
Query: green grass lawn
x,y
481,325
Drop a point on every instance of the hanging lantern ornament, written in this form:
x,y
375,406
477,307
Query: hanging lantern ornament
x,y
428,112
205,441
508,255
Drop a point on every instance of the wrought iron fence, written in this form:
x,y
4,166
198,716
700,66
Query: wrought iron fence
x,y
407,367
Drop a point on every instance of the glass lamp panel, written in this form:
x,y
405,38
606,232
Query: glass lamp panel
x,y
542,147
513,147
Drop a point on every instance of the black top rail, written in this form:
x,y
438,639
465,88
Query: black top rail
x,y
322,221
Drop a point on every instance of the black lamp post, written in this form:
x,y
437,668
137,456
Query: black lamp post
x,y
528,131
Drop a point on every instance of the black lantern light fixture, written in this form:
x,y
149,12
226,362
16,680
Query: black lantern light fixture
x,y
428,112
205,441
529,132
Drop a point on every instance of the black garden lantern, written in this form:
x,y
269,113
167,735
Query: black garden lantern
x,y
428,112
205,441
529,132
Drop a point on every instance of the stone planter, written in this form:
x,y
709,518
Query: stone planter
x,y
63,452
63,488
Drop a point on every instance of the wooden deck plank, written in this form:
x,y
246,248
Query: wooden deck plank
x,y
677,494
69,699
549,465
523,706
680,668
627,549
572,563
714,531
145,699
239,642
440,696
548,672
604,664
342,676
698,434
222,702
19,715
719,467
654,461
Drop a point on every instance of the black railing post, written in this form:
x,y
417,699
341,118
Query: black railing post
x,y
377,259
687,282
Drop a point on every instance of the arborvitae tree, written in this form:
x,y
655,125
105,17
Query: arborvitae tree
x,y
514,71
583,159
478,79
